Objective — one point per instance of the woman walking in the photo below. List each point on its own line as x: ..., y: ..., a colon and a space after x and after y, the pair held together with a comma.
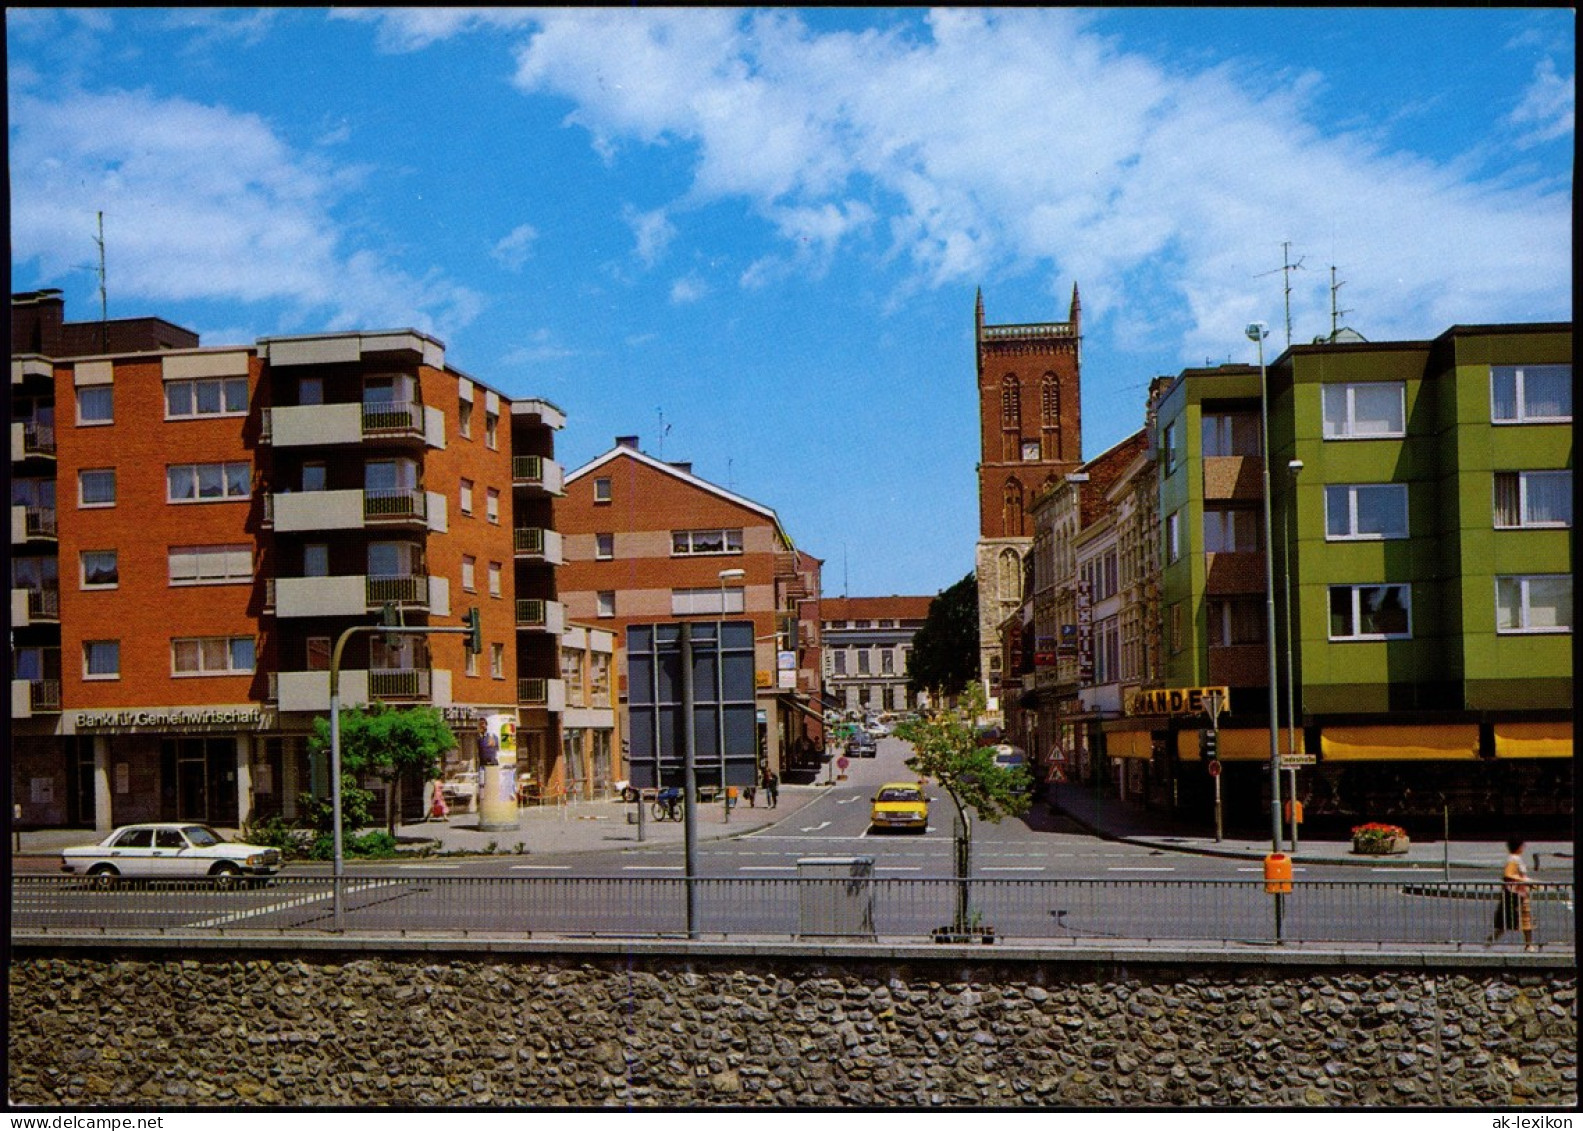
x: 1515, y: 912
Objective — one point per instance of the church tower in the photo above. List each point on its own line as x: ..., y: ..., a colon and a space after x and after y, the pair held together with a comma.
x: 1030, y: 436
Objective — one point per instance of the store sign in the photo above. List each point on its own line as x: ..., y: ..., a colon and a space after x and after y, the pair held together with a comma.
x: 1176, y: 700
x: 171, y: 717
x: 1085, y: 634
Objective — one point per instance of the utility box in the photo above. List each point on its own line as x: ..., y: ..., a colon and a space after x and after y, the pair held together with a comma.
x: 835, y: 897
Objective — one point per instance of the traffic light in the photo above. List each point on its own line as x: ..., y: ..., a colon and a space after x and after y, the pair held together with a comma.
x: 475, y: 632
x: 1208, y: 745
x: 390, y: 617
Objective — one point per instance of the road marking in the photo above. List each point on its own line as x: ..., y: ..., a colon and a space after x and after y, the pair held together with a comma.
x: 847, y: 800
x: 1115, y: 868
x: 652, y: 868
x: 1019, y: 868
x: 1261, y: 869
x: 1407, y: 869
x: 898, y: 868
x: 353, y: 888
x: 449, y: 867
x: 766, y: 867
x: 816, y: 828
x: 540, y: 867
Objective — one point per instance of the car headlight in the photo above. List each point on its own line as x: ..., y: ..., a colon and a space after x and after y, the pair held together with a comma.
x: 255, y: 861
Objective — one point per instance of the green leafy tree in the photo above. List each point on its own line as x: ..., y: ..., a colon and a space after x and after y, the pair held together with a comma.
x: 392, y: 745
x: 946, y: 751
x: 944, y: 652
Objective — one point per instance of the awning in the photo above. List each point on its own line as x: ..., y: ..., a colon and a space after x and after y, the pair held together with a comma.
x: 1533, y: 740
x: 1235, y: 745
x: 1129, y: 744
x: 1400, y: 744
x: 803, y: 707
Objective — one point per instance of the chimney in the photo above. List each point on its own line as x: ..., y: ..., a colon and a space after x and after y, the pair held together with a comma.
x: 682, y: 465
x: 627, y: 442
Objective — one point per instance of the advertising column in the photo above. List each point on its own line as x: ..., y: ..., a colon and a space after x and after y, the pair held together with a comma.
x: 497, y: 773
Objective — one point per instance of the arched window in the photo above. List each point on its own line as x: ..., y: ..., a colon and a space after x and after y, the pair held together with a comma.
x: 1012, y: 513
x: 1050, y: 400
x: 1010, y: 403
x: 1010, y: 577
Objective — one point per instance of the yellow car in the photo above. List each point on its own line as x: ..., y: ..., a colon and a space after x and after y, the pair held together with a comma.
x: 899, y: 805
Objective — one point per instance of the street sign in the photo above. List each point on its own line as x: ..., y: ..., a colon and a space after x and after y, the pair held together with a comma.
x: 842, y: 763
x: 1213, y: 766
x: 1298, y: 760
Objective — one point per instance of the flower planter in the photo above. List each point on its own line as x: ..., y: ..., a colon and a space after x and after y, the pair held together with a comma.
x: 1377, y: 846
x: 985, y: 935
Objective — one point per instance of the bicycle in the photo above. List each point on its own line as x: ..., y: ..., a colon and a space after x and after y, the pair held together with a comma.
x: 667, y: 805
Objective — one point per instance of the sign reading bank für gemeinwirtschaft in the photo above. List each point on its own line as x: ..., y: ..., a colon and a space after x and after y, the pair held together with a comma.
x: 170, y: 717
x: 1177, y: 700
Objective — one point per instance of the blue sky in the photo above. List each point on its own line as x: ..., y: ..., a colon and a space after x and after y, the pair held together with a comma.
x: 764, y: 228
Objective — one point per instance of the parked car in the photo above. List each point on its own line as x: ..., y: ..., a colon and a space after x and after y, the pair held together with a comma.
x: 878, y: 730
x: 899, y: 805
x: 861, y: 745
x: 174, y: 851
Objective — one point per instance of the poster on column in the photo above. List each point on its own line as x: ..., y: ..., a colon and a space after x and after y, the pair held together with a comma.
x: 497, y: 784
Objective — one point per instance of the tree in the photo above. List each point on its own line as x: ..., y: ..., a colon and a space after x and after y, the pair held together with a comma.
x: 944, y: 652
x: 389, y: 744
x: 946, y: 751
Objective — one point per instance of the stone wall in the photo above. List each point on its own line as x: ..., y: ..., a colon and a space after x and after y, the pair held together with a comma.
x: 653, y: 1026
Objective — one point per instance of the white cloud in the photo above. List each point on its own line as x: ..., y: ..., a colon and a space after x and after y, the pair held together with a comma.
x: 203, y: 202
x: 689, y: 288
x: 1548, y: 106
x: 541, y: 347
x: 513, y: 251
x: 654, y: 232
x: 410, y: 29
x: 1011, y: 140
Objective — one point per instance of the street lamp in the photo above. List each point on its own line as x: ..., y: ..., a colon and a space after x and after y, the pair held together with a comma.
x: 1294, y: 467
x: 720, y: 643
x: 1257, y: 332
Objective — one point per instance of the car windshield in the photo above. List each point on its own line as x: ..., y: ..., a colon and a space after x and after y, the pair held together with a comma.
x: 201, y: 836
x: 898, y: 794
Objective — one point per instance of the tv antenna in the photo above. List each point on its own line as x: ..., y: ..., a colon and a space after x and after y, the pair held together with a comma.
x: 664, y: 428
x: 1286, y: 268
x: 1335, y: 311
x: 104, y: 301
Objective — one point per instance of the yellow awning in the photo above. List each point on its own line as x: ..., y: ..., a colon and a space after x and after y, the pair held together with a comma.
x: 1400, y: 744
x: 1236, y: 745
x: 1533, y: 740
x: 1129, y: 744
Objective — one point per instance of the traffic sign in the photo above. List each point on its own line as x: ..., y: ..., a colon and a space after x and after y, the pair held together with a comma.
x: 842, y: 763
x: 1298, y: 760
x: 1213, y: 766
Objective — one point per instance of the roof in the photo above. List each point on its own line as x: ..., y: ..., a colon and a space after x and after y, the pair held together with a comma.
x: 865, y: 608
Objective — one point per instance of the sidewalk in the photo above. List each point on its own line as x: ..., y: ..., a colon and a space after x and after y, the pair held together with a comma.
x: 1118, y: 820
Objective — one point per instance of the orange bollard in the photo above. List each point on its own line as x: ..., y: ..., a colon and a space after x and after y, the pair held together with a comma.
x: 1277, y: 873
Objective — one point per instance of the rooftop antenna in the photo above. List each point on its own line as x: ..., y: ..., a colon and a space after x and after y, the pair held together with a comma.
x: 664, y: 428
x: 1335, y: 311
x: 104, y: 302
x: 843, y: 570
x: 731, y: 483
x: 1286, y: 269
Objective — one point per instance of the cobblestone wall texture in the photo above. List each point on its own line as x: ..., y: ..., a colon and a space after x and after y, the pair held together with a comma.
x: 258, y: 1028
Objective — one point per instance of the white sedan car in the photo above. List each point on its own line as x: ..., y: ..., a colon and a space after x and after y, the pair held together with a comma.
x: 174, y: 851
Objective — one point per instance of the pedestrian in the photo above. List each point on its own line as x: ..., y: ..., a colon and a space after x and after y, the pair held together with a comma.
x: 1515, y: 910
x: 772, y: 788
x: 751, y: 792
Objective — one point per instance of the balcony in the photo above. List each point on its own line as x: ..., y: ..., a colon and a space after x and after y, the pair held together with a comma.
x: 310, y: 691
x: 533, y: 543
x: 32, y: 524
x: 1239, y: 478
x: 31, y: 697
x: 541, y: 616
x: 548, y: 694
x: 35, y: 606
x: 352, y: 510
x: 307, y: 426
x: 30, y: 440
x: 356, y: 595
x: 536, y: 471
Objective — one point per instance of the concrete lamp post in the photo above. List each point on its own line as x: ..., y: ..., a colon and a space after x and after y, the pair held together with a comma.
x: 720, y: 630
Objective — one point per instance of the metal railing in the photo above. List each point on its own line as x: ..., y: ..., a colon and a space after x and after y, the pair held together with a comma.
x: 527, y: 469
x: 528, y: 540
x: 266, y: 425
x: 44, y: 695
x: 533, y: 692
x: 532, y: 612
x: 394, y: 504
x: 43, y: 604
x: 1452, y: 914
x: 410, y: 590
x: 38, y: 439
x: 399, y: 683
x: 40, y: 522
x: 398, y: 418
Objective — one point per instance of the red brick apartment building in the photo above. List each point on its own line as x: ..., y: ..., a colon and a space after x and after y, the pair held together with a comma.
x: 193, y: 528
x: 648, y: 541
x: 867, y: 642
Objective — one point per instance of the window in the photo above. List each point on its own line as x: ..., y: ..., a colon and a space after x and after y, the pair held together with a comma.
x: 211, y: 565
x: 684, y: 542
x: 310, y: 390
x: 314, y: 476
x: 887, y: 661
x: 491, y: 430
x: 316, y: 560
x: 497, y: 661
x: 839, y: 659
x: 1366, y: 510
x: 1232, y: 531
x: 464, y: 419
x: 601, y: 490
x: 1231, y: 434
x: 1173, y: 537
x: 1365, y: 411
x: 1370, y: 612
x: 390, y: 476
x: 887, y: 624
x: 714, y: 601
x: 1169, y: 444
x: 468, y: 564
x: 604, y: 546
x: 494, y: 579
x: 470, y: 666
x: 211, y: 396
x: 101, y: 659
x: 1530, y: 394
x: 862, y: 661
x: 1237, y: 620
x: 211, y: 655
x: 207, y: 482
x: 318, y: 653
x: 492, y: 505
x: 99, y: 569
x: 1030, y: 449
x: 605, y: 602
x: 467, y: 496
x: 96, y: 405
x: 38, y: 493
x: 1538, y: 603
x: 96, y: 487
x: 1533, y: 498
x: 394, y: 559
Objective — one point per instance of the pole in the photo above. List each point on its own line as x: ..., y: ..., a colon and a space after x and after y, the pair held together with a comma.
x: 689, y: 780
x: 1291, y: 683
x: 1257, y: 331
x: 1213, y: 705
